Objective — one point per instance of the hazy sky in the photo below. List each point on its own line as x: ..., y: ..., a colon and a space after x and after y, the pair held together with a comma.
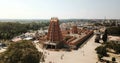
x: 45, y: 9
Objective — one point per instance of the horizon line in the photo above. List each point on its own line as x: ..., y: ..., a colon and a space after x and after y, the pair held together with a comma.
x: 50, y: 18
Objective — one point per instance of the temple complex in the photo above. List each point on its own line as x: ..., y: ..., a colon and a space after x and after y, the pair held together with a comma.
x: 67, y: 37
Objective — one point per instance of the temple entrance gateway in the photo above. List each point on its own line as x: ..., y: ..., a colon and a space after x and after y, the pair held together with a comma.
x: 54, y: 33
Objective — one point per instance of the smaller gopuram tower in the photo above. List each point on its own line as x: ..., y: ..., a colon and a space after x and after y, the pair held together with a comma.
x: 74, y: 29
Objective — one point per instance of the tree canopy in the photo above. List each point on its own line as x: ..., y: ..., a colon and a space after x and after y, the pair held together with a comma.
x: 105, y: 36
x: 114, y: 31
x: 21, y: 52
x: 101, y: 50
x: 9, y: 30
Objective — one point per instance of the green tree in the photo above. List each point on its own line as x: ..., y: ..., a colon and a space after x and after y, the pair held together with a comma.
x: 21, y: 52
x: 101, y: 50
x: 99, y: 56
x: 104, y: 37
x: 114, y: 45
x: 114, y: 31
x: 113, y: 59
x: 97, y: 39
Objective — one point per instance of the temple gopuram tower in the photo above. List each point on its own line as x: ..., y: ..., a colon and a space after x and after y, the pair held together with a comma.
x: 74, y: 29
x: 54, y: 32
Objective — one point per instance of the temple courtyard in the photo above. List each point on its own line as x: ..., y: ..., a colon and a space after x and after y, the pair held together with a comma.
x: 85, y: 54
